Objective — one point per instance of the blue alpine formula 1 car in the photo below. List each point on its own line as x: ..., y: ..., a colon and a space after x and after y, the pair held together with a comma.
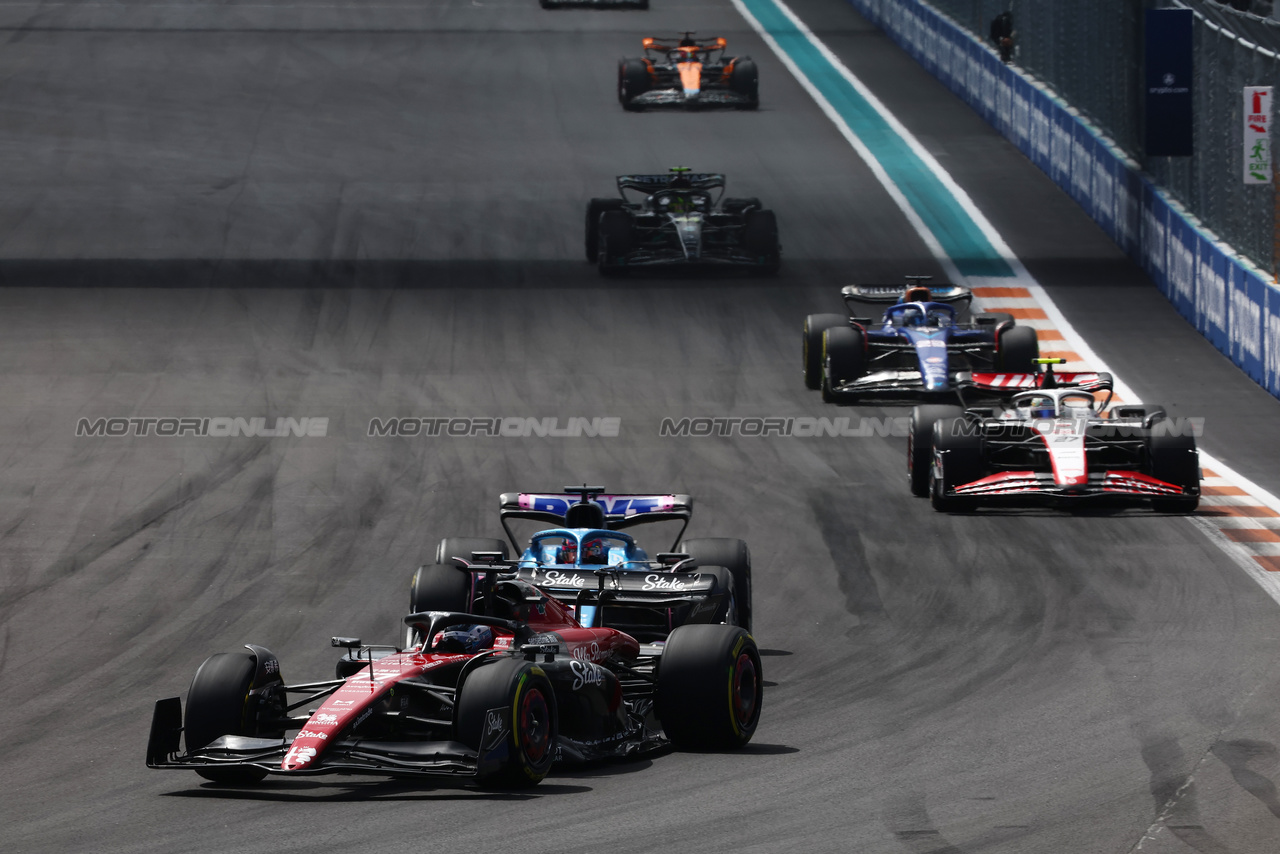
x: 601, y: 573
x: 923, y: 340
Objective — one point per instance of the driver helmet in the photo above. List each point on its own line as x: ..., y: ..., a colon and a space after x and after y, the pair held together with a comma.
x: 464, y: 639
x: 912, y: 317
x: 568, y: 552
x: 594, y: 551
x: 680, y: 204
x: 1042, y: 407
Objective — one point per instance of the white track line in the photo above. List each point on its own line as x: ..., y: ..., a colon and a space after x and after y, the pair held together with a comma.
x: 1240, y: 553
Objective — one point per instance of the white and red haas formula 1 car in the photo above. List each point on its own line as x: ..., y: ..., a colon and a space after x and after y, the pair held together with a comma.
x: 1049, y: 441
x: 496, y: 696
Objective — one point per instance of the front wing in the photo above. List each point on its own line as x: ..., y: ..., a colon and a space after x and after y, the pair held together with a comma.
x: 348, y: 756
x: 1015, y: 487
x: 675, y: 258
x: 677, y: 98
x: 892, y: 386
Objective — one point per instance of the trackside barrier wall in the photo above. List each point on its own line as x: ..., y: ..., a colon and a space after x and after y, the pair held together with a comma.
x: 1229, y: 302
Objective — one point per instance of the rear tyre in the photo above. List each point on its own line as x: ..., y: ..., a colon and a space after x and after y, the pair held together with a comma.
x: 508, y: 710
x: 633, y: 80
x: 920, y: 443
x: 760, y: 239
x: 437, y: 587
x: 960, y: 445
x: 451, y: 547
x: 594, y: 208
x: 1174, y: 459
x: 218, y: 704
x: 1017, y: 348
x: 734, y: 556
x: 844, y: 358
x: 814, y: 326
x: 746, y: 82
x: 709, y: 688
x: 615, y: 242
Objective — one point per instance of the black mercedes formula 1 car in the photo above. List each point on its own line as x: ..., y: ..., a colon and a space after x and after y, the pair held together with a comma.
x: 690, y: 73
x: 680, y: 219
x: 497, y: 694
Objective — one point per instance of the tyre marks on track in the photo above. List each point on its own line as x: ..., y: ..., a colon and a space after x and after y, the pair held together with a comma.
x: 972, y: 252
x: 1243, y: 520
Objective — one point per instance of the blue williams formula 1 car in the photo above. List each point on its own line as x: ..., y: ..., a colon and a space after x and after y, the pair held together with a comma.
x: 680, y: 220
x: 922, y: 341
x: 599, y: 572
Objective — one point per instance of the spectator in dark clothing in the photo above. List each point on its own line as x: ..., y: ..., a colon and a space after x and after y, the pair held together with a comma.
x: 1002, y: 35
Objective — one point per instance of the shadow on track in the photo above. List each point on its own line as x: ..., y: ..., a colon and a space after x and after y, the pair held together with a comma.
x: 398, y: 274
x: 301, y: 792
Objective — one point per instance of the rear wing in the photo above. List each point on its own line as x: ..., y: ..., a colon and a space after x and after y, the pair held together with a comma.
x: 1007, y: 384
x: 893, y: 294
x: 702, y: 45
x: 620, y: 510
x: 688, y: 180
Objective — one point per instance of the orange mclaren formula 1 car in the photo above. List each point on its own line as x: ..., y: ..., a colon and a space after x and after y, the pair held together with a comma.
x: 690, y: 73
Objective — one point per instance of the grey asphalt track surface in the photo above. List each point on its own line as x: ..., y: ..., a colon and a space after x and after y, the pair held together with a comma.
x: 351, y: 211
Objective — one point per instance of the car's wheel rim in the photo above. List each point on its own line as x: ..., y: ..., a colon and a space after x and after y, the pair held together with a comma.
x: 535, y: 725
x: 745, y: 687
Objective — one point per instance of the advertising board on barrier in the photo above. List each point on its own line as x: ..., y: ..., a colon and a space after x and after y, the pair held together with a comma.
x: 1169, y: 50
x: 1228, y: 301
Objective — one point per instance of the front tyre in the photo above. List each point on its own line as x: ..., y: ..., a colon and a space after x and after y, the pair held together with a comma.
x: 219, y: 704
x: 615, y: 242
x: 506, y: 712
x: 958, y: 442
x: 633, y: 80
x: 814, y: 326
x: 1173, y: 458
x: 920, y: 443
x: 760, y: 239
x: 844, y: 358
x: 709, y: 688
x: 594, y: 208
x: 746, y: 82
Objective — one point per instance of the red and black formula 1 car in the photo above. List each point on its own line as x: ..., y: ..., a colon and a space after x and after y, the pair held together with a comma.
x: 1049, y: 441
x: 496, y: 696
x: 688, y: 73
